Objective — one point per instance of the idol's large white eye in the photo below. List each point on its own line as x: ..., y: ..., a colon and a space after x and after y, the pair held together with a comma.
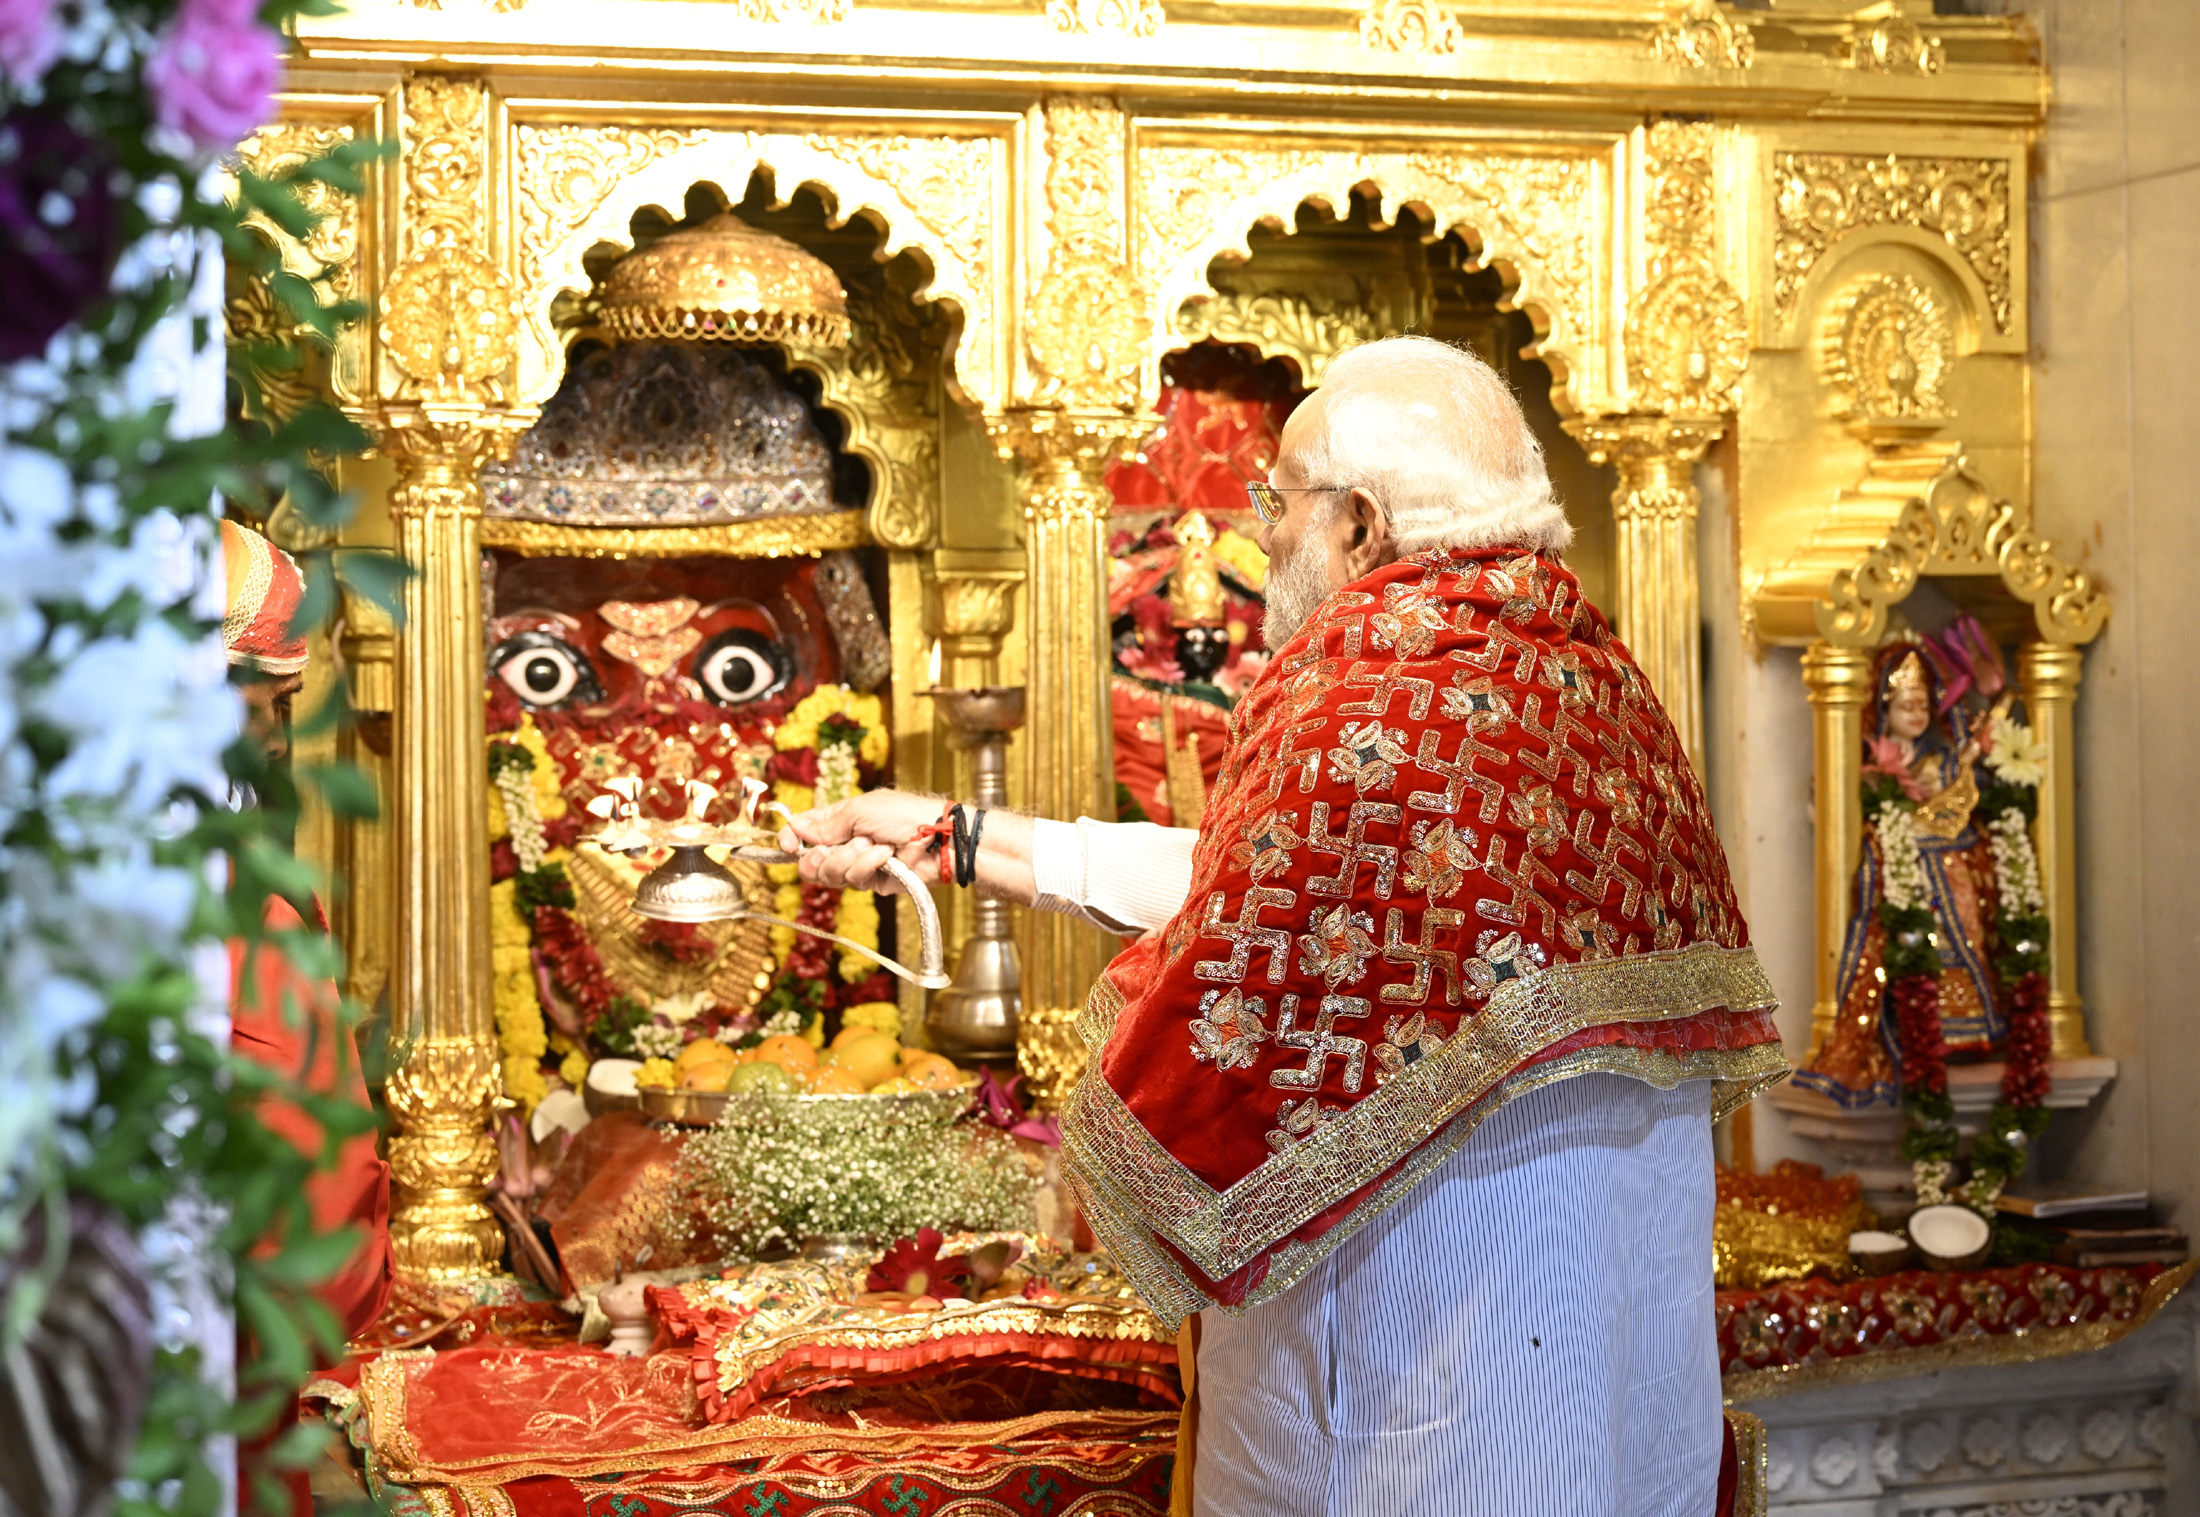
x: 544, y: 670
x: 740, y: 666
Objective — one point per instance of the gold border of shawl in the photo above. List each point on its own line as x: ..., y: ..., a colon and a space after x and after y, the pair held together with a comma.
x: 764, y: 537
x: 1961, y: 1353
x: 1223, y: 1231
x: 1752, y: 1463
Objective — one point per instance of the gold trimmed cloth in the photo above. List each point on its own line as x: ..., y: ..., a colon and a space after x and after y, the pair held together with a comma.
x: 1455, y: 852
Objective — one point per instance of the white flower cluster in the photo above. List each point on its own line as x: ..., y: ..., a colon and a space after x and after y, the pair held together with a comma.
x: 655, y: 1040
x: 1902, y: 868
x: 836, y: 773
x: 775, y: 1171
x: 112, y: 725
x: 522, y: 822
x: 2016, y: 866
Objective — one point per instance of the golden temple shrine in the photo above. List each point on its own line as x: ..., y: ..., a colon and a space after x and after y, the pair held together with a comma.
x: 821, y: 396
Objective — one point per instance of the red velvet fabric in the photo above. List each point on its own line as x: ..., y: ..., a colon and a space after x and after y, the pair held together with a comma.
x: 1452, y: 779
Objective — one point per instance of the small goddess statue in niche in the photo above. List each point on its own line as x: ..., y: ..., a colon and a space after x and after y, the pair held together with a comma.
x: 1921, y: 747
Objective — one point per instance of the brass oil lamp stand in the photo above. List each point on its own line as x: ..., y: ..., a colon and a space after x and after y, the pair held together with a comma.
x: 975, y: 1018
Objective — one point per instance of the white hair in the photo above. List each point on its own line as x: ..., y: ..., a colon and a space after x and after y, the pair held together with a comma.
x: 1438, y: 439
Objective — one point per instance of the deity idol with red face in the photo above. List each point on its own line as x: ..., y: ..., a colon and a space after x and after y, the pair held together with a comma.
x: 667, y: 670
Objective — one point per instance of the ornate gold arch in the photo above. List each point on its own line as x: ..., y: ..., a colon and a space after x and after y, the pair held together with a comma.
x: 579, y: 186
x: 1956, y: 527
x: 1543, y: 216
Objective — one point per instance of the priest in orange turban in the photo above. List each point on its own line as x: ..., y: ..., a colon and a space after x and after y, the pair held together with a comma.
x: 279, y: 1017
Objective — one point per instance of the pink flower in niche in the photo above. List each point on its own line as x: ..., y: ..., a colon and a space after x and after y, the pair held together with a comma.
x: 214, y: 76
x: 29, y: 40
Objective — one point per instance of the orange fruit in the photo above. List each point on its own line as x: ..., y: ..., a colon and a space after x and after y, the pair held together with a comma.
x: 703, y: 1052
x: 706, y: 1076
x: 932, y: 1073
x: 849, y: 1034
x: 788, y: 1052
x: 870, y: 1058
x: 895, y: 1087
x: 836, y: 1082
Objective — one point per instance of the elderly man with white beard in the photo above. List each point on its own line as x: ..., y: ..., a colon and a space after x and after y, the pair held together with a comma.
x: 1406, y: 1090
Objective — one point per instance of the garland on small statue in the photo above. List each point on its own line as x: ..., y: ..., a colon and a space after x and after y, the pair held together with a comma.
x: 822, y: 752
x: 1912, y: 965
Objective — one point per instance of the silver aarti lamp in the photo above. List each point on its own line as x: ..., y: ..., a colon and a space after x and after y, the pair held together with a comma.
x: 690, y: 886
x: 976, y: 1016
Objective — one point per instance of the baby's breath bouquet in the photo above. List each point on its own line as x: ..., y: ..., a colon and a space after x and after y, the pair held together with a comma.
x: 776, y: 1170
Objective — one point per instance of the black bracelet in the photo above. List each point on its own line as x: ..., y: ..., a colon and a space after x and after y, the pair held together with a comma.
x: 958, y: 841
x: 966, y: 860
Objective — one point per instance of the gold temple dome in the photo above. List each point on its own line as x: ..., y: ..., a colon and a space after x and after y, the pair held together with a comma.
x: 725, y: 281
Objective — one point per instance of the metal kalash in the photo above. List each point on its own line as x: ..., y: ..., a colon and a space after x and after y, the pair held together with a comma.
x: 691, y: 886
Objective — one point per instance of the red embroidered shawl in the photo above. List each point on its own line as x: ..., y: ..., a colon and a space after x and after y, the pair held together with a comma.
x: 1455, y: 852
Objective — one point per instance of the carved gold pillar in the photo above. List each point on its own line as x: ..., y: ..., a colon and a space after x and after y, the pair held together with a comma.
x: 1838, y: 681
x: 1655, y: 606
x: 370, y: 923
x: 445, y: 1096
x: 2048, y: 674
x: 447, y: 338
x: 1069, y: 754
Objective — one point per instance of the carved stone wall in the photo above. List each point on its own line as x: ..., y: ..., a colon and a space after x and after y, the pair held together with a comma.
x: 2105, y: 1434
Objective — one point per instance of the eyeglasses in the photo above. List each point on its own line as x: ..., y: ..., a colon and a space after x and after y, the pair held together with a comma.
x: 1268, y: 501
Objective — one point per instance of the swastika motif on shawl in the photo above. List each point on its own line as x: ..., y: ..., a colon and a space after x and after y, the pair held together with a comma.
x: 1455, y: 850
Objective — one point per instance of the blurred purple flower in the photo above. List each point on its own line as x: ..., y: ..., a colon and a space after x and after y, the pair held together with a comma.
x: 998, y: 1105
x: 29, y: 40
x: 214, y: 76
x: 58, y: 234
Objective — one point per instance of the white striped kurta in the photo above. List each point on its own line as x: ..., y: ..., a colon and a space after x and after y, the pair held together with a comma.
x: 1528, y: 1332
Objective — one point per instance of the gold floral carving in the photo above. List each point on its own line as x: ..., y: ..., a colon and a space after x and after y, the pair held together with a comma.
x: 1131, y: 18
x: 1280, y: 326
x: 1409, y: 26
x: 1956, y: 527
x: 1887, y: 347
x: 1087, y: 321
x: 331, y: 248
x: 1538, y: 213
x: 1687, y: 332
x: 328, y: 255
x: 1701, y: 34
x: 566, y: 173
x: 766, y: 537
x: 812, y: 12
x: 450, y: 317
x: 880, y: 385
x: 1822, y: 196
x: 444, y: 1097
x: 579, y: 187
x: 1893, y: 44
x: 252, y: 318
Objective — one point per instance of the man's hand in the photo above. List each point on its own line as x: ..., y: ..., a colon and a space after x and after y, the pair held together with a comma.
x: 848, y: 843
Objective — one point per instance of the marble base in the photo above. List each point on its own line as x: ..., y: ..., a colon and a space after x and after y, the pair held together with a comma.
x: 2103, y: 1434
x: 1866, y: 1140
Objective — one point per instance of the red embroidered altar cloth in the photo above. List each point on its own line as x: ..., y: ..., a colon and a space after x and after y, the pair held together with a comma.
x: 1456, y: 851
x: 1807, y: 1332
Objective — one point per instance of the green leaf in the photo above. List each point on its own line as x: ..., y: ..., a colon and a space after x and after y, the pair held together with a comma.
x: 318, y: 603
x: 376, y: 575
x: 346, y: 788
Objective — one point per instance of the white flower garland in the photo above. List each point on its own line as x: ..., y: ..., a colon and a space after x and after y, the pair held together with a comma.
x: 836, y: 773
x: 2016, y: 865
x: 1902, y: 867
x: 522, y: 821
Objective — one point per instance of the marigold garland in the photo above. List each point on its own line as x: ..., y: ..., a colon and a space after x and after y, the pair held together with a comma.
x: 829, y: 747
